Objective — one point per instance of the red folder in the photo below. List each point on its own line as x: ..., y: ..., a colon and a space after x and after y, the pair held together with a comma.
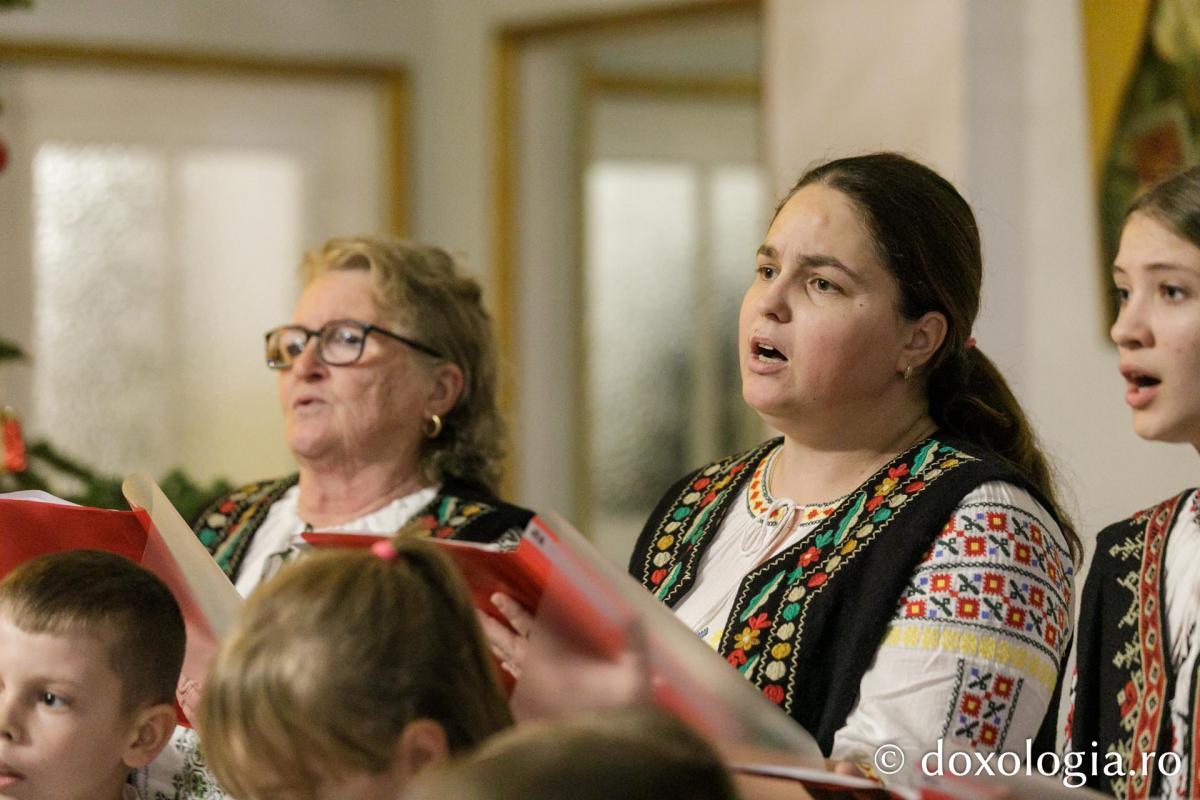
x: 153, y: 535
x: 29, y: 528
x: 520, y: 573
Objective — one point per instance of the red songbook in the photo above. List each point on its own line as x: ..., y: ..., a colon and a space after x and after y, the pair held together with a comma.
x: 519, y: 572
x: 30, y: 528
x: 153, y: 535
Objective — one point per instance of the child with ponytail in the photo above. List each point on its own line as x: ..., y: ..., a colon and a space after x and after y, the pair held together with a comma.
x: 347, y: 674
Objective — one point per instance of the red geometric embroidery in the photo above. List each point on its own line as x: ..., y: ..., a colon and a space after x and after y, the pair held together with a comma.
x: 981, y: 707
x: 987, y: 569
x: 1148, y: 705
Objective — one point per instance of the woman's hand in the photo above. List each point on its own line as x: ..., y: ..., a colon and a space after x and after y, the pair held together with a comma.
x: 509, y: 643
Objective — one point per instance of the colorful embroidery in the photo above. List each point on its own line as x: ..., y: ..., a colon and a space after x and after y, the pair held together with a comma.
x: 449, y: 516
x: 226, y: 527
x: 804, y: 569
x: 1148, y: 712
x: 670, y: 563
x: 759, y: 497
x: 981, y: 707
x: 1139, y: 654
x: 992, y: 568
x: 971, y: 644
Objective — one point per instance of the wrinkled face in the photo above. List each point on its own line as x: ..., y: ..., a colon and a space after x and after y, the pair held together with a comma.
x: 1157, y: 332
x: 63, y: 734
x: 370, y: 411
x: 819, y: 335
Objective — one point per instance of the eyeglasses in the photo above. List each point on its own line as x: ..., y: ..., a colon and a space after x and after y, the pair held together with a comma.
x: 339, y: 343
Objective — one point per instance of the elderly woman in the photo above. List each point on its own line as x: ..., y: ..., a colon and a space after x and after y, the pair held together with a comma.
x: 387, y: 381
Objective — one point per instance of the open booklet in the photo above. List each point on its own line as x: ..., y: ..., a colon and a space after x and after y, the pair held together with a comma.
x: 152, y: 534
x: 598, y: 638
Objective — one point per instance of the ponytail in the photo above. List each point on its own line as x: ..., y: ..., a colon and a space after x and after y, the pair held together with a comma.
x: 925, y: 233
x: 969, y: 398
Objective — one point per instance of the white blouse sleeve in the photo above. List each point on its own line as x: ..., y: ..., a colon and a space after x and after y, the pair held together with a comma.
x: 973, y: 650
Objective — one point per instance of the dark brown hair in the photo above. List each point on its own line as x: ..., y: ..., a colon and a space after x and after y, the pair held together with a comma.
x: 926, y: 236
x: 333, y: 658
x: 109, y: 597
x: 633, y: 754
x: 1175, y: 202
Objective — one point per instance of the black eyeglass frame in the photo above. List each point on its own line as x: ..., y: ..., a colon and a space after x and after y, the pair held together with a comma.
x: 367, y: 330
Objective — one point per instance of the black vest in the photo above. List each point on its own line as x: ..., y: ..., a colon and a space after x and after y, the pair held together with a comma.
x: 806, y: 625
x: 1123, y: 676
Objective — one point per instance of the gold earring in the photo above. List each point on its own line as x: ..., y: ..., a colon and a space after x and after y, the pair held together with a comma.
x: 433, y: 427
x: 908, y: 373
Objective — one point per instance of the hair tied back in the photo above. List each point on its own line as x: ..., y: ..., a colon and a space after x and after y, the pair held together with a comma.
x: 385, y: 550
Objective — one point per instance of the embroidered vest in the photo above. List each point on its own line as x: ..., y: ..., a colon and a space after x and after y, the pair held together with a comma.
x: 806, y: 624
x: 1123, y: 678
x: 459, y: 511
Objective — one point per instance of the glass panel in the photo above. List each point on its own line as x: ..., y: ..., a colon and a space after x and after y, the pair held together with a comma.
x: 100, y: 322
x: 240, y: 216
x: 641, y: 234
x: 153, y: 285
x: 738, y: 221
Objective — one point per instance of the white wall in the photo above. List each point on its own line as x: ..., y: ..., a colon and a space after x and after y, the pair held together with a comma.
x: 992, y: 95
x: 447, y: 45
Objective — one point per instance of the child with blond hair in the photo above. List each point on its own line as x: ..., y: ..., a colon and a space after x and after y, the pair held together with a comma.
x: 348, y: 673
x: 91, y: 646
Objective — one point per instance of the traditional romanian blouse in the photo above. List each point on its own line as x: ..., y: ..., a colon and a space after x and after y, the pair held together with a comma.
x: 1135, y: 690
x: 1182, y: 578
x: 973, y: 652
x: 278, y: 540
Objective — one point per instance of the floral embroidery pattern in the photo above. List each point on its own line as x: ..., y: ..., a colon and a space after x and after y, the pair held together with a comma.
x: 805, y: 568
x: 671, y: 559
x: 449, y: 517
x: 224, y: 527
x: 981, y: 707
x: 995, y: 568
x: 179, y: 772
x: 759, y: 498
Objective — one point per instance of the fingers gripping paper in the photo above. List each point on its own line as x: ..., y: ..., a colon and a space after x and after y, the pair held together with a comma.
x: 599, y: 638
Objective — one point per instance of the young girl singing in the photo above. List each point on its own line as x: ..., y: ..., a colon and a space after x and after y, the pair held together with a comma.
x: 1135, y: 695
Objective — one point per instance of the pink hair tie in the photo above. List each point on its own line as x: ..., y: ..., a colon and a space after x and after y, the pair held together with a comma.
x: 970, y: 342
x: 385, y: 550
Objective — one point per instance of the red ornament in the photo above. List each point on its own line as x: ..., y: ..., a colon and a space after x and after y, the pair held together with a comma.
x: 14, y: 444
x: 3, y: 155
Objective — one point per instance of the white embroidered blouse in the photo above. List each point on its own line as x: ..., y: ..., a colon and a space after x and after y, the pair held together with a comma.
x: 973, y: 651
